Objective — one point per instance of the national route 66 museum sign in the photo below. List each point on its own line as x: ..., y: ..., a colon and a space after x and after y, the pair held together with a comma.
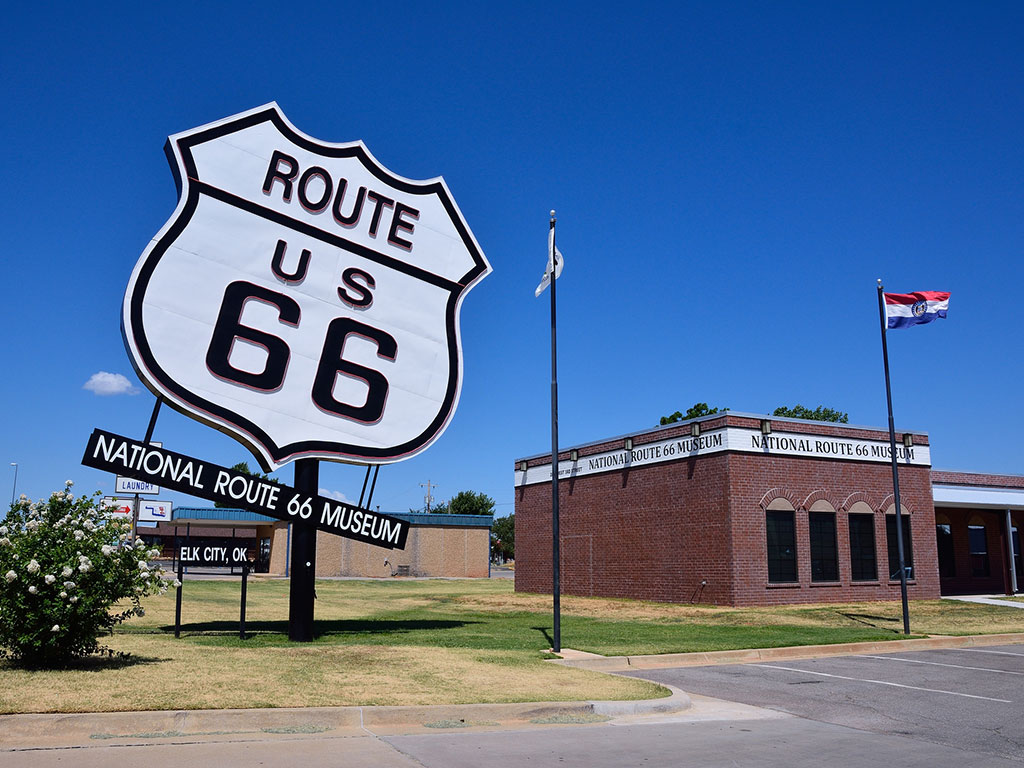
x: 303, y: 298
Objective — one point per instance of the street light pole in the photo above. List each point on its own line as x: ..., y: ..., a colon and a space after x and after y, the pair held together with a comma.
x: 14, y: 488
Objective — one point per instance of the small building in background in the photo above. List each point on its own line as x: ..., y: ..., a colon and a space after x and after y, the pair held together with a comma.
x: 438, y: 545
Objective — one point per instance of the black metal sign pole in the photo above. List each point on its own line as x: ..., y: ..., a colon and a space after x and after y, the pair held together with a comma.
x: 181, y: 580
x: 303, y: 557
x: 373, y: 484
x: 241, y: 615
x: 556, y: 586
x: 177, y: 598
x: 146, y: 439
x: 895, y: 467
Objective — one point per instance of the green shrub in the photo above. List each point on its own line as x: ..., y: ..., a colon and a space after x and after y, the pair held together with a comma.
x: 64, y: 563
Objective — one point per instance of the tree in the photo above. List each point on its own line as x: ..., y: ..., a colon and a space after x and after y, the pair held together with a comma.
x: 243, y: 467
x: 441, y: 508
x: 470, y: 503
x: 503, y: 537
x: 821, y: 413
x: 694, y: 411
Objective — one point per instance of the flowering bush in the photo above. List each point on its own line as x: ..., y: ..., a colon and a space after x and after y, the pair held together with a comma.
x: 63, y: 564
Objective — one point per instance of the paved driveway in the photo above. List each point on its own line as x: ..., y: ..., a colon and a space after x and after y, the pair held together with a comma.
x: 971, y: 698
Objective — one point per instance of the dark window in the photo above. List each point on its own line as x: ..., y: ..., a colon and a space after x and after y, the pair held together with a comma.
x: 944, y: 541
x: 781, y: 530
x: 979, y: 550
x: 908, y: 550
x: 862, y: 548
x: 824, y: 565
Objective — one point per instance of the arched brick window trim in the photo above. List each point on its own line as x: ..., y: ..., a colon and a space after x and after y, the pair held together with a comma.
x: 853, y: 498
x: 819, y: 495
x: 890, y: 501
x: 779, y: 493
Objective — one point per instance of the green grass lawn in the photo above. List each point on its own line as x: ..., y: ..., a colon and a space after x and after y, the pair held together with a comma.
x: 472, y: 614
x: 489, y: 615
x: 430, y: 642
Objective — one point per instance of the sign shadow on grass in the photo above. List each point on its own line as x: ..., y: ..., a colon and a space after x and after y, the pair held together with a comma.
x: 873, y: 621
x: 325, y: 627
x: 99, y: 662
x: 547, y: 637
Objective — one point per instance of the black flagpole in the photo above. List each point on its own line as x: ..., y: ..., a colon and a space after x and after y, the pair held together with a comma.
x: 555, y: 555
x: 895, y: 467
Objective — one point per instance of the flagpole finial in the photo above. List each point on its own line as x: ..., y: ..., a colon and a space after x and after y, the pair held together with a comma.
x: 552, y: 213
x: 879, y: 281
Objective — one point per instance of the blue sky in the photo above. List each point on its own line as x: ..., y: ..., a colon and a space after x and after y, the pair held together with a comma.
x: 730, y: 180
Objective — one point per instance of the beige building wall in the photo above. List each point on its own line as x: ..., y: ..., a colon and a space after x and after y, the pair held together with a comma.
x: 435, y: 550
x: 278, y: 549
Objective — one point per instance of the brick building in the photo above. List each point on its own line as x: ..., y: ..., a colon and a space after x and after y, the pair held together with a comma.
x: 743, y: 509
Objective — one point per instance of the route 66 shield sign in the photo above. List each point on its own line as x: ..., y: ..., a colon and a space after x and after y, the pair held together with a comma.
x: 303, y: 298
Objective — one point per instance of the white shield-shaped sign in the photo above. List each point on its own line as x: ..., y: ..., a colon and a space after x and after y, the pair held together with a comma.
x: 303, y: 298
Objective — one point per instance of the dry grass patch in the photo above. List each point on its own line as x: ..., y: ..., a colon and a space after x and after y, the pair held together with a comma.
x: 432, y: 642
x: 181, y: 675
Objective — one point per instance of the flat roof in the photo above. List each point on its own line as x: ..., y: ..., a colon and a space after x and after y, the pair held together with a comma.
x: 977, y: 497
x: 226, y: 516
x: 720, y: 414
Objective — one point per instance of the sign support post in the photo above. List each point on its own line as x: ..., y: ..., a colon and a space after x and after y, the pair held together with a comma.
x: 146, y: 440
x: 241, y: 615
x: 177, y: 599
x: 302, y: 582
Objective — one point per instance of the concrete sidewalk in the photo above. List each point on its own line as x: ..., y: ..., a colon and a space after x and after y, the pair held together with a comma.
x: 113, y: 728
x: 622, y: 663
x: 999, y: 600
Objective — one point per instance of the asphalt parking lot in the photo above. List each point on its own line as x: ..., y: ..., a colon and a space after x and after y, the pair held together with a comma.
x: 923, y: 709
x: 971, y: 698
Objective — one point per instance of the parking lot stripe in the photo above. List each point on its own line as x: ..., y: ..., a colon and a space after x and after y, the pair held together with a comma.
x: 999, y: 653
x: 940, y: 664
x: 882, y: 682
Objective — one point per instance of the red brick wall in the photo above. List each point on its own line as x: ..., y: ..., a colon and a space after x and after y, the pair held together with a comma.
x: 657, y: 532
x: 756, y: 480
x: 644, y: 532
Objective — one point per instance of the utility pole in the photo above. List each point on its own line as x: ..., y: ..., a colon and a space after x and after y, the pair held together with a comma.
x: 429, y: 497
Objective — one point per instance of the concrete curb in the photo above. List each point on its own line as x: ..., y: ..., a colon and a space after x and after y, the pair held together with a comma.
x: 747, y: 656
x: 110, y: 728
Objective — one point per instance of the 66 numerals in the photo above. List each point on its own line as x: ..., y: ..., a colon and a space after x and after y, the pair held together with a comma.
x: 229, y: 328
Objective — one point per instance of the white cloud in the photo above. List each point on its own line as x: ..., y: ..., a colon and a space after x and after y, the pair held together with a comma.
x: 336, y: 495
x: 104, y: 383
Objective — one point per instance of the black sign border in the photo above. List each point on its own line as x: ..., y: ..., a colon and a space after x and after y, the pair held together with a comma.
x: 245, y: 431
x: 286, y: 492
